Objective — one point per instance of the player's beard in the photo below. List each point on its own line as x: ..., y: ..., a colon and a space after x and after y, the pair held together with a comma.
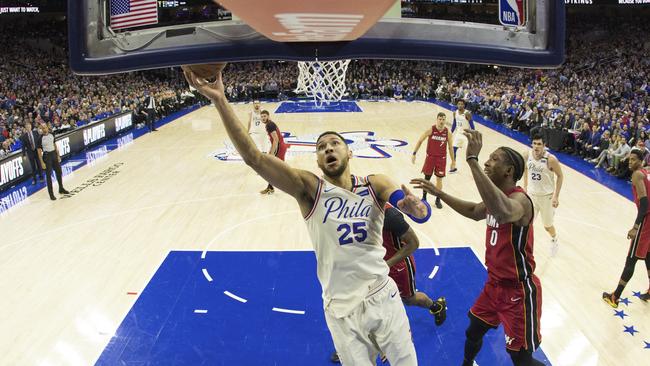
x: 336, y: 173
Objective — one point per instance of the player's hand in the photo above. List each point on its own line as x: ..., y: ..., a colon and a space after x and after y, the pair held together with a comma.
x: 43, y: 165
x: 212, y: 90
x: 632, y: 233
x: 555, y: 202
x: 413, y: 159
x: 474, y: 141
x: 426, y: 186
x: 411, y: 204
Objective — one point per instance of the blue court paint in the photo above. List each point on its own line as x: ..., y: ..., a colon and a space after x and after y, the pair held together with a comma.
x: 162, y: 328
x: 19, y: 193
x: 311, y: 107
x: 619, y: 186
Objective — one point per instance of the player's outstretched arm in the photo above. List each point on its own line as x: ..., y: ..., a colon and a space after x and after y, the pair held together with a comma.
x: 299, y: 183
x: 402, y: 198
x: 472, y: 210
x: 504, y: 209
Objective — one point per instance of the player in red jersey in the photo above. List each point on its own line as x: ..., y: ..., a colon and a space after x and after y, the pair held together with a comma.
x: 640, y: 232
x: 278, y: 147
x: 439, y: 141
x: 512, y: 294
x: 401, y: 242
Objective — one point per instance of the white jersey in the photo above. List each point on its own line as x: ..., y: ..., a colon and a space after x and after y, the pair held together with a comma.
x: 461, y: 122
x: 541, y: 179
x: 346, y: 231
x: 256, y: 124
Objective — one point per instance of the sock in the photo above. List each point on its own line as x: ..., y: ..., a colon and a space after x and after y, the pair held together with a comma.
x: 424, y: 194
x: 619, y: 291
x: 471, y: 350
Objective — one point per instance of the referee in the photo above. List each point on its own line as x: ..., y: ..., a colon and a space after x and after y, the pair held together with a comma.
x: 49, y: 157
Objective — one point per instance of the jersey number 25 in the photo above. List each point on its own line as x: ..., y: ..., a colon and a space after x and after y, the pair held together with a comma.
x: 358, y: 231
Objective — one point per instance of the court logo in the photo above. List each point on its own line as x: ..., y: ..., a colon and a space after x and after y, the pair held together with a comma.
x: 364, y: 144
x: 13, y: 199
x: 97, y: 180
x: 512, y: 13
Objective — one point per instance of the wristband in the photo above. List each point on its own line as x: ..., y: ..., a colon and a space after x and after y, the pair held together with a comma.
x: 425, y: 218
x: 470, y: 157
x: 397, y: 195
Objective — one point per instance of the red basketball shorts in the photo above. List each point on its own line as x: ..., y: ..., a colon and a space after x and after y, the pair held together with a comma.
x: 640, y: 245
x: 435, y: 165
x: 403, y: 273
x: 516, y: 305
x: 281, y: 152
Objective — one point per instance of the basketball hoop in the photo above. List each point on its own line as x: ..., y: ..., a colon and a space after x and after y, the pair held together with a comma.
x: 324, y: 81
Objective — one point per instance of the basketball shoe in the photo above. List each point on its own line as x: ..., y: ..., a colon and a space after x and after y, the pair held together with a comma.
x: 439, y: 310
x: 610, y: 300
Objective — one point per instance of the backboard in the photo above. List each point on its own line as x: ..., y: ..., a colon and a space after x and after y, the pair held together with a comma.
x: 525, y: 33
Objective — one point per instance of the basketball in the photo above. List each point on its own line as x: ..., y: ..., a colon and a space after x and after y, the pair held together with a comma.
x: 205, y: 71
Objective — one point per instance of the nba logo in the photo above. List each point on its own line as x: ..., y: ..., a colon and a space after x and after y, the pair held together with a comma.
x: 512, y: 13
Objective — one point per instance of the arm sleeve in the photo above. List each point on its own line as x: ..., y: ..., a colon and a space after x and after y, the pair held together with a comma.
x: 643, y: 209
x: 394, y: 222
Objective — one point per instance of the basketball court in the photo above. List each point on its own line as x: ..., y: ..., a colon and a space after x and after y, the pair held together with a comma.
x: 172, y: 256
x: 165, y: 253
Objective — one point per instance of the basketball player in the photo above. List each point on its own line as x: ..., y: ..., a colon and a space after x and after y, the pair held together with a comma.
x: 439, y: 140
x: 278, y: 147
x: 344, y: 216
x: 512, y: 294
x: 256, y: 128
x: 462, y: 120
x: 541, y: 185
x: 640, y: 232
x: 400, y: 242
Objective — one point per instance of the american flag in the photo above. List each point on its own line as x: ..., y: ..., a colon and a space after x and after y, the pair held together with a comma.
x: 133, y: 13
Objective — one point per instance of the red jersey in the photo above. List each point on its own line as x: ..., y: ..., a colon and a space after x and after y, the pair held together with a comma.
x: 509, y: 248
x: 272, y: 127
x: 646, y: 182
x: 437, y: 142
x: 394, y: 227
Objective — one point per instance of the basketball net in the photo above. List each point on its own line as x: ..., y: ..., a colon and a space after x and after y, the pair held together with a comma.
x: 324, y: 81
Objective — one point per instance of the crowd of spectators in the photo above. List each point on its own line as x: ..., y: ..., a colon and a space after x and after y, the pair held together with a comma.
x: 595, y: 105
x: 37, y: 86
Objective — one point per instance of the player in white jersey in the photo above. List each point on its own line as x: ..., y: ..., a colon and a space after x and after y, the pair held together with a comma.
x: 542, y: 187
x: 256, y: 128
x: 344, y: 215
x: 462, y: 120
